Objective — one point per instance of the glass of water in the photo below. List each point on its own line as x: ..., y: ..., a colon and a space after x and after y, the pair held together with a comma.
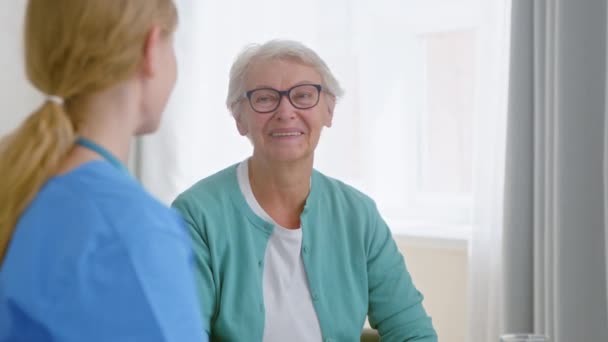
x: 524, y: 338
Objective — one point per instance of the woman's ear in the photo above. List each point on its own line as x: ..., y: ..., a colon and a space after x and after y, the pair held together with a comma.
x: 151, y: 52
x: 331, y: 104
x: 241, y: 126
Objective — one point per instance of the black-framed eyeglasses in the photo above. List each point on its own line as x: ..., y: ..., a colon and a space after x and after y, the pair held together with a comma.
x: 301, y: 96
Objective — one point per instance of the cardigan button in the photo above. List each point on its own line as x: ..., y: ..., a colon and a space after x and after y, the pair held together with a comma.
x: 260, y: 264
x: 305, y: 249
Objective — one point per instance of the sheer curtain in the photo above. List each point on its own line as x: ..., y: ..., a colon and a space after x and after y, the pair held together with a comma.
x: 485, y: 257
x: 420, y: 78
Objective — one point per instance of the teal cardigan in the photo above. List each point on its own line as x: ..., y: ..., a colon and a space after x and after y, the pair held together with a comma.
x: 352, y: 263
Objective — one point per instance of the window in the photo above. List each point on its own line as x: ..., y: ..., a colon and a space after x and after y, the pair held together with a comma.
x: 413, y: 96
x: 416, y: 74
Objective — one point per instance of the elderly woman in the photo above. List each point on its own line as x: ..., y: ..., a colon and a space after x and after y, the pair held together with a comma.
x: 285, y: 253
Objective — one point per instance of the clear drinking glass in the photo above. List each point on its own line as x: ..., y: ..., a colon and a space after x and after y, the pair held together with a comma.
x: 523, y: 338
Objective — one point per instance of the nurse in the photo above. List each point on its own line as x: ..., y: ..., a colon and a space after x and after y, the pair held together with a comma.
x: 86, y: 254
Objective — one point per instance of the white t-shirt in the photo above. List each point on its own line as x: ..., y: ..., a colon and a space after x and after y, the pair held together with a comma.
x: 290, y: 314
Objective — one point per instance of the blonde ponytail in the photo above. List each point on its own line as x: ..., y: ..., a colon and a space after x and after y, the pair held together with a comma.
x: 28, y: 157
x: 73, y: 49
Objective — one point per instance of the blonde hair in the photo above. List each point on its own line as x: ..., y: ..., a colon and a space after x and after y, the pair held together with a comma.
x: 73, y: 48
x: 277, y: 49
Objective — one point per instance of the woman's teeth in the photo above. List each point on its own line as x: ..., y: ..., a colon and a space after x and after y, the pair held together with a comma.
x: 290, y: 134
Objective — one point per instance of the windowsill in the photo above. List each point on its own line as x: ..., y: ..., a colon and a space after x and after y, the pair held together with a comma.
x: 431, y: 235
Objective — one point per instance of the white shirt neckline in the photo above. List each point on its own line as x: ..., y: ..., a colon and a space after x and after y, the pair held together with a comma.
x: 289, y: 309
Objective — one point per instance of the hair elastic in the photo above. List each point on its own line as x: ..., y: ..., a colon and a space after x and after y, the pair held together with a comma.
x: 55, y: 99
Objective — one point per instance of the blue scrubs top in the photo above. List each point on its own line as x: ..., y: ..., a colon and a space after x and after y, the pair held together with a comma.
x: 96, y: 258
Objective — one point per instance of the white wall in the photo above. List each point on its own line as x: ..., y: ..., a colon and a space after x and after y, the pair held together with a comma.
x: 17, y: 97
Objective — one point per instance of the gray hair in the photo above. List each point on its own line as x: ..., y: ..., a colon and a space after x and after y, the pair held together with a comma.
x: 276, y: 50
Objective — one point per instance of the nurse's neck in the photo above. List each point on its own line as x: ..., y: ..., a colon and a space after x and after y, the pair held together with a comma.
x: 109, y: 119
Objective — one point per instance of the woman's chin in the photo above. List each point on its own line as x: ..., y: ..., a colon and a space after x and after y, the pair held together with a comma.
x: 289, y: 155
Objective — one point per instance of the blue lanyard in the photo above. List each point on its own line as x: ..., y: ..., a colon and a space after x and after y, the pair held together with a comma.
x: 86, y: 143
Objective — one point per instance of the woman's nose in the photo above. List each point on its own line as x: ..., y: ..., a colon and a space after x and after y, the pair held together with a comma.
x: 285, y: 110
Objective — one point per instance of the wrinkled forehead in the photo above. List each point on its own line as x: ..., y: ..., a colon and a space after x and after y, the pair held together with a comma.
x: 280, y: 73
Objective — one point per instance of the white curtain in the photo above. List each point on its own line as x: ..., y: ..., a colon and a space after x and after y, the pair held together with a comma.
x: 485, y: 276
x: 551, y: 273
x: 378, y: 50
